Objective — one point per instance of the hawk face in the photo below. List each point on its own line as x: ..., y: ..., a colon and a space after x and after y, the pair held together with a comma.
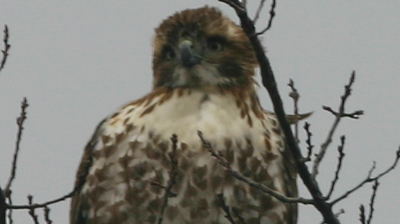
x: 200, y: 48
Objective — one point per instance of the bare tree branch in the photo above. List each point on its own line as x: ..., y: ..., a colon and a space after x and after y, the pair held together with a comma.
x: 259, y: 9
x: 341, y: 211
x: 310, y: 146
x: 250, y: 182
x: 337, y: 214
x: 42, y: 205
x: 20, y: 123
x: 294, y: 94
x: 369, y: 179
x: 7, y: 190
x: 244, y: 3
x: 271, y: 18
x: 225, y: 208
x: 355, y: 115
x: 236, y: 4
x: 362, y: 215
x: 6, y: 47
x: 339, y: 166
x: 268, y: 80
x: 372, y: 201
x: 10, y: 219
x: 338, y: 116
x: 241, y: 219
x: 363, y: 218
x: 172, y: 177
x: 46, y: 211
x: 32, y: 210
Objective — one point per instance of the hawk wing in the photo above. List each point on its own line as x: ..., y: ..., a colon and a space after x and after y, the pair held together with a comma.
x: 79, y: 204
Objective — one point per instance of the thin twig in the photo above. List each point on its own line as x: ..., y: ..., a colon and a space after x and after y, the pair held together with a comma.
x: 42, y: 205
x: 214, y: 153
x: 241, y: 219
x: 237, y: 5
x: 355, y: 115
x: 372, y: 201
x: 6, y: 47
x: 339, y: 166
x: 225, y: 208
x: 172, y: 177
x: 244, y: 3
x: 362, y: 214
x: 20, y: 123
x: 337, y: 214
x: 32, y: 210
x: 363, y: 218
x: 259, y: 9
x: 250, y: 182
x: 340, y: 212
x: 294, y: 94
x: 271, y: 18
x: 171, y: 194
x: 46, y: 211
x: 369, y: 179
x: 310, y: 146
x: 338, y: 116
x: 10, y: 212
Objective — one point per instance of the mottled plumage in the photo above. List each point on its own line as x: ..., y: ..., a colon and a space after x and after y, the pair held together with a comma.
x: 203, y: 69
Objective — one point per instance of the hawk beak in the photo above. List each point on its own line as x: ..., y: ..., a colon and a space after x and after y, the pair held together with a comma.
x: 188, y: 55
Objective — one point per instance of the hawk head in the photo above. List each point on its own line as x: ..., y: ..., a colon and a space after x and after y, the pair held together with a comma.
x: 201, y: 48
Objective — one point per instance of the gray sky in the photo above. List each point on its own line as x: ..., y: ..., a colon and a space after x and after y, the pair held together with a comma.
x: 77, y: 62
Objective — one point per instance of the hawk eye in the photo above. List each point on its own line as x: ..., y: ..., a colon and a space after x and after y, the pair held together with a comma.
x: 168, y: 53
x: 215, y: 43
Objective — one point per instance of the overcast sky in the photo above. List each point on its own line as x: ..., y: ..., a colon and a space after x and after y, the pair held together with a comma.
x: 77, y: 62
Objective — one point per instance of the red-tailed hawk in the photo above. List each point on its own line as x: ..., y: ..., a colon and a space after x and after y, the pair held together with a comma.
x: 203, y: 67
